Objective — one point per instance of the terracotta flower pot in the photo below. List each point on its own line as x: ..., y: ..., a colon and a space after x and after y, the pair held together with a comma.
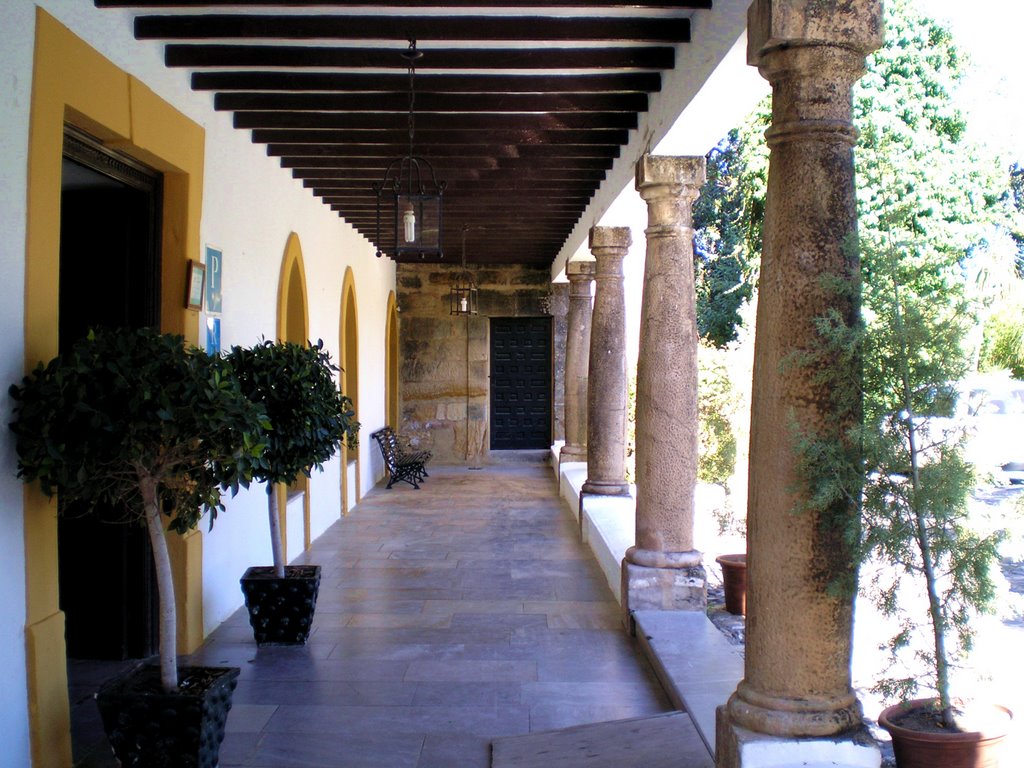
x: 734, y: 579
x: 926, y: 749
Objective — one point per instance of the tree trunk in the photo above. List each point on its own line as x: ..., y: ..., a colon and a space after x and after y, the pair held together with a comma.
x: 275, y: 531
x: 164, y: 582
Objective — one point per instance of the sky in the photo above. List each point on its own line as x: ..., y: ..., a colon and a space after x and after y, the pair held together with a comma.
x: 992, y: 94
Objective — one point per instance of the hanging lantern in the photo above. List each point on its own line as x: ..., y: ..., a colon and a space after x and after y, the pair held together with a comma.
x: 411, y: 187
x: 462, y: 298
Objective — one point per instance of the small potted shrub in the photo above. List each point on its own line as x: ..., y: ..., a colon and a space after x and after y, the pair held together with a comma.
x: 308, y: 418
x: 904, y: 464
x: 132, y: 418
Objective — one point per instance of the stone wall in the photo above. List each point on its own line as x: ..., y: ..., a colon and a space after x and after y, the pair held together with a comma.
x: 444, y: 359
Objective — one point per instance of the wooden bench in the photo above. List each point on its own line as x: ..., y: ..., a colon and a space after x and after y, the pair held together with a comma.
x: 409, y: 467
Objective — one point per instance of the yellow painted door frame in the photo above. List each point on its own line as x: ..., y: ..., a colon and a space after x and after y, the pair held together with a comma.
x: 72, y: 83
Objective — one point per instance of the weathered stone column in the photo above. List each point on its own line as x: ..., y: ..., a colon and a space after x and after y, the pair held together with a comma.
x: 607, y: 379
x: 577, y: 353
x: 663, y: 571
x: 796, y: 697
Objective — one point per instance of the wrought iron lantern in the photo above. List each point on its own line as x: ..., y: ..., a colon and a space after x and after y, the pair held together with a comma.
x: 462, y: 298
x: 411, y: 189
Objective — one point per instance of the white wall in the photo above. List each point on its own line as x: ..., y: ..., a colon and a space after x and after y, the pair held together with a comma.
x: 17, y: 20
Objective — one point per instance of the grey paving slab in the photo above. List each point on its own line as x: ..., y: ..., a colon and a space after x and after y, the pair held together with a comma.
x: 665, y: 741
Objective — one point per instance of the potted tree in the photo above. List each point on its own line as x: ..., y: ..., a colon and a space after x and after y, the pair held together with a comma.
x: 308, y: 418
x: 132, y: 418
x: 904, y: 464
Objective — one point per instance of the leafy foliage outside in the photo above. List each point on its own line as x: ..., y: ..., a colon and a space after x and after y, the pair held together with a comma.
x: 716, y: 410
x: 727, y: 221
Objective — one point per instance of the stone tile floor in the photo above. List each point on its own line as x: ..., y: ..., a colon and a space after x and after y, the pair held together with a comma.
x: 447, y: 617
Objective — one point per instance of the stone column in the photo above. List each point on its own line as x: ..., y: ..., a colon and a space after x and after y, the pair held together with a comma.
x: 606, y: 391
x: 558, y: 308
x: 796, y: 697
x: 663, y: 571
x: 577, y: 352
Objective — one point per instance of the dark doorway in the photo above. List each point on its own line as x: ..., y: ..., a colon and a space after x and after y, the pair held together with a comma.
x: 109, y: 277
x: 520, y: 383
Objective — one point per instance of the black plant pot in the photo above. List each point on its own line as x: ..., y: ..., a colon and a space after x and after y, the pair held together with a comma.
x: 281, y: 610
x: 149, y: 728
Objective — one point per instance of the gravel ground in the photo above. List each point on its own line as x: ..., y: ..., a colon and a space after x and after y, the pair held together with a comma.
x: 993, y: 671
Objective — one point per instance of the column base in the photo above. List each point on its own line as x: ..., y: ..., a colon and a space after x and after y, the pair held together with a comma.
x: 663, y: 589
x: 604, y: 488
x: 572, y: 453
x: 738, y: 747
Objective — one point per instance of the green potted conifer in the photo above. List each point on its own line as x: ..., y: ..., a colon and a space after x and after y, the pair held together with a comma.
x: 308, y: 418
x: 134, y: 419
x: 904, y: 465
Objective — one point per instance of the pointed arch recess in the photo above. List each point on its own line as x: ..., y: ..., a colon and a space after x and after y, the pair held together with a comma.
x: 293, y: 326
x: 349, y: 363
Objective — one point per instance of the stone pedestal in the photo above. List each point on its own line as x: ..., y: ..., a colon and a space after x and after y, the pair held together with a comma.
x: 607, y: 384
x: 577, y: 352
x: 663, y: 589
x: 796, y: 684
x: 738, y: 746
x: 663, y: 570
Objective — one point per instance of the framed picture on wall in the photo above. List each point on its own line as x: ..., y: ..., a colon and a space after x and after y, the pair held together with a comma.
x: 195, y: 285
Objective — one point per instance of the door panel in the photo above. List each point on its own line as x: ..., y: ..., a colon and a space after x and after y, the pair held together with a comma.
x: 520, y: 383
x: 109, y: 277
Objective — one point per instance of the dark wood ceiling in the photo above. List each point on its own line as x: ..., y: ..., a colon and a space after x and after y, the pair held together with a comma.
x: 521, y: 107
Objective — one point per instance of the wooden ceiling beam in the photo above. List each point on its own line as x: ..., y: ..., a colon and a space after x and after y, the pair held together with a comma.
x: 398, y: 102
x: 456, y: 177
x: 426, y: 29
x: 547, y: 4
x: 533, y: 58
x: 433, y: 121
x: 540, y: 166
x: 427, y: 138
x: 508, y: 152
x: 358, y: 82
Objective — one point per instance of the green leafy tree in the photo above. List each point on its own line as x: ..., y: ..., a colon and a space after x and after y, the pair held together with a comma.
x: 716, y: 407
x: 727, y: 228
x: 133, y: 419
x: 308, y: 416
x: 912, y: 145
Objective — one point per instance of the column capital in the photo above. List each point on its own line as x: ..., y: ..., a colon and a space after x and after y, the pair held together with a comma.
x: 610, y: 237
x: 580, y: 270
x: 772, y: 25
x: 668, y: 170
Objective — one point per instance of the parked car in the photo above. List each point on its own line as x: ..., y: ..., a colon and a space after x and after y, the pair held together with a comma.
x: 988, y: 411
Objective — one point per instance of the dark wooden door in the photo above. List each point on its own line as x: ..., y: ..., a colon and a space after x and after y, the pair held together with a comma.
x: 520, y: 383
x: 109, y: 277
